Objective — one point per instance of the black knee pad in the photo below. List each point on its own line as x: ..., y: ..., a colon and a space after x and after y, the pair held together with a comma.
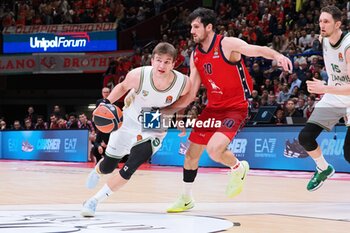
x: 347, y: 146
x: 308, y: 135
x: 139, y: 154
x: 108, y: 164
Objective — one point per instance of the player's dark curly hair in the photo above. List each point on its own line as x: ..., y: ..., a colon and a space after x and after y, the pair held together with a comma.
x: 206, y: 16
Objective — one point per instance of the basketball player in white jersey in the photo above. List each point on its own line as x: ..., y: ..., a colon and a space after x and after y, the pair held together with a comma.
x: 335, y: 103
x: 149, y: 87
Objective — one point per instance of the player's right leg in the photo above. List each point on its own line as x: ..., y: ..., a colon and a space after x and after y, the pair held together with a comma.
x: 307, y: 138
x: 117, y: 148
x: 185, y: 201
x: 217, y: 150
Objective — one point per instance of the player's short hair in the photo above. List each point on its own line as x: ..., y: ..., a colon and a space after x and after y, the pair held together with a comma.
x: 165, y: 48
x: 206, y: 16
x: 334, y: 11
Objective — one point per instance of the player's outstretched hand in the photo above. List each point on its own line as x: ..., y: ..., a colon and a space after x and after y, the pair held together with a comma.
x: 285, y: 63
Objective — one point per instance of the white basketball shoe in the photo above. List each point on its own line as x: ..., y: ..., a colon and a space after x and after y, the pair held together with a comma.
x: 89, y: 208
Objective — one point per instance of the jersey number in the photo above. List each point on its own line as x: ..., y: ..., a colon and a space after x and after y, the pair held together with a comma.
x: 335, y: 68
x: 207, y: 68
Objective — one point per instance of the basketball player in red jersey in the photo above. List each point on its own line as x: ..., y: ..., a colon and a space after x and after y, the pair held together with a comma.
x: 217, y: 63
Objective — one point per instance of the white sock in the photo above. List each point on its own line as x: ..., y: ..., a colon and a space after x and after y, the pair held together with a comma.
x: 238, y: 167
x: 104, y: 192
x: 188, y: 189
x: 321, y: 163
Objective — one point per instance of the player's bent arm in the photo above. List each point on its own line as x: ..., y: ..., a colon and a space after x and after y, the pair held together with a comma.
x: 237, y: 45
x: 344, y: 89
x: 132, y: 80
x: 195, y: 79
x: 338, y: 90
x: 189, y: 93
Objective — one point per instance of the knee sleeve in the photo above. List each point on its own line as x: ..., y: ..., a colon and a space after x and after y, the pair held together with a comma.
x: 139, y: 154
x: 308, y: 135
x: 347, y: 146
x: 108, y: 164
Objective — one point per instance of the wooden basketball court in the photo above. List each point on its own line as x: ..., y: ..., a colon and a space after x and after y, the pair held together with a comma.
x: 272, y: 201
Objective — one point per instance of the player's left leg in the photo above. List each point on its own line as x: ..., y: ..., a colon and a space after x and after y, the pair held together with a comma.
x: 185, y: 201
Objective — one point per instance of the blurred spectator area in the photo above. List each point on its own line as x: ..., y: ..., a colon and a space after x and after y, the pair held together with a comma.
x: 141, y: 24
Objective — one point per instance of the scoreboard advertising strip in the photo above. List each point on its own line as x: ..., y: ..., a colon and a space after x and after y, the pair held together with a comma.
x: 60, y: 42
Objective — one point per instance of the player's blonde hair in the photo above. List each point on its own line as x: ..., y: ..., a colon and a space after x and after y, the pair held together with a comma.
x: 165, y: 48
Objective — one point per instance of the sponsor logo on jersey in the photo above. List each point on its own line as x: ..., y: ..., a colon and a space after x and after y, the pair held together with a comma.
x: 169, y: 99
x: 216, y: 53
x: 156, y: 142
x: 215, y: 88
x: 340, y: 57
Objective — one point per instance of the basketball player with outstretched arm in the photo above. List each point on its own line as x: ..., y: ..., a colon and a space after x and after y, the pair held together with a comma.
x: 217, y: 63
x: 335, y: 103
x: 153, y: 86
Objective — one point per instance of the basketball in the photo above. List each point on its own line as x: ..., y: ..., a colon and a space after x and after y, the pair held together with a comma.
x: 107, y: 117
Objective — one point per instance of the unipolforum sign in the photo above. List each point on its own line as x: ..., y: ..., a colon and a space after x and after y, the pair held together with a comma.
x: 38, y: 39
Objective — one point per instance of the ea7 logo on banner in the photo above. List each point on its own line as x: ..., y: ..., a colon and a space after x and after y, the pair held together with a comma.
x: 66, y: 40
x: 265, y: 145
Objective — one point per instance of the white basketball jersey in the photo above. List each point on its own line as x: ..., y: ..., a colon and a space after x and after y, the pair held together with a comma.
x: 148, y: 96
x: 335, y: 62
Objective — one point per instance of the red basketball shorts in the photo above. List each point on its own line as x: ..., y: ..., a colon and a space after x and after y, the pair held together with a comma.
x: 231, y: 121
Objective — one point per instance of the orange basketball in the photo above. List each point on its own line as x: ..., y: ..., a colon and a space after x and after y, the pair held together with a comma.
x: 107, y: 117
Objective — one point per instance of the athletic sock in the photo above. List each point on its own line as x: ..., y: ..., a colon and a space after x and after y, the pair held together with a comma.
x: 238, y: 167
x: 321, y: 163
x: 188, y: 189
x: 104, y: 192
x: 188, y: 178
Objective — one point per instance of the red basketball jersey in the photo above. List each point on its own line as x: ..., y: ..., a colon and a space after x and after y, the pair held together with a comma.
x: 228, y: 84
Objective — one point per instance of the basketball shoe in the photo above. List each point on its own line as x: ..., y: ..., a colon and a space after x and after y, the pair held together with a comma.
x: 319, y: 177
x: 236, y: 182
x: 183, y: 203
x: 92, y: 179
x: 89, y: 208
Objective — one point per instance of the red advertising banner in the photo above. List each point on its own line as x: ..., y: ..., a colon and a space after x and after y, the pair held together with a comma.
x: 89, y: 27
x: 59, y: 62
